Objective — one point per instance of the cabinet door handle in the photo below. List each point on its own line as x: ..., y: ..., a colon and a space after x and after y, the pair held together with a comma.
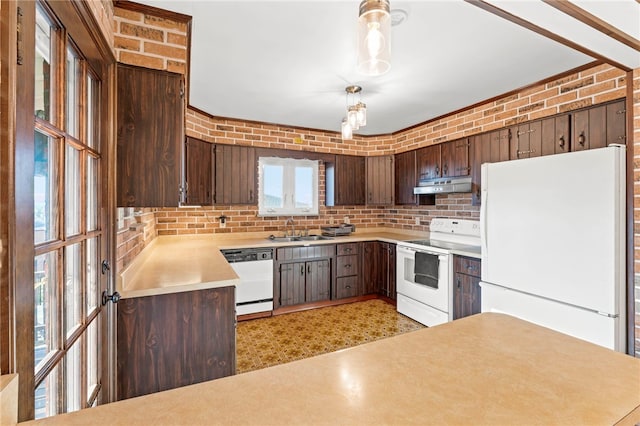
x: 308, y: 269
x: 445, y: 169
x: 458, y: 282
x: 301, y: 269
x: 561, y: 141
x: 582, y: 138
x: 251, y: 194
x: 347, y: 266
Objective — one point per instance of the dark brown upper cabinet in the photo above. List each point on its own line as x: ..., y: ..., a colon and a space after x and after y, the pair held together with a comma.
x: 555, y: 135
x: 380, y: 180
x: 428, y: 162
x: 448, y: 159
x: 455, y: 158
x: 489, y: 147
x: 349, y: 180
x: 150, y: 112
x: 235, y: 175
x: 405, y: 177
x: 541, y: 137
x: 198, y: 172
x: 599, y: 126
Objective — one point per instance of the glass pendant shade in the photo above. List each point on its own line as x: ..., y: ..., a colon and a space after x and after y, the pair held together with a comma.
x: 361, y: 109
x: 352, y: 117
x: 374, y: 37
x: 347, y: 132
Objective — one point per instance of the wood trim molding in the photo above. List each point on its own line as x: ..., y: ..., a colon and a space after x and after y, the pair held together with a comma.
x: 151, y: 10
x: 482, y: 4
x: 8, y: 105
x: 594, y: 22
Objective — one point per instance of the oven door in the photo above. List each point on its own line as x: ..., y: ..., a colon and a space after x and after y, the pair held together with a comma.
x: 435, y: 294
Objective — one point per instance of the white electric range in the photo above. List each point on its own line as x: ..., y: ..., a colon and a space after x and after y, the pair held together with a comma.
x: 424, y: 268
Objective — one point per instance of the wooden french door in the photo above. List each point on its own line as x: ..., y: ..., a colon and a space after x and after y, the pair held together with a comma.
x: 61, y: 325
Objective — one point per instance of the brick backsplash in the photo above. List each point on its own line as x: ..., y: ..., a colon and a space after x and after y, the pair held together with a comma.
x: 138, y: 231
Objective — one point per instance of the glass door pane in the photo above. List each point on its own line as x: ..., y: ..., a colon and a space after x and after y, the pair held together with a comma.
x: 72, y: 288
x: 73, y: 376
x: 46, y: 396
x: 92, y: 363
x: 92, y: 193
x: 43, y: 78
x: 46, y: 302
x: 73, y: 189
x: 72, y: 98
x: 45, y: 188
x: 93, y: 112
x: 93, y: 275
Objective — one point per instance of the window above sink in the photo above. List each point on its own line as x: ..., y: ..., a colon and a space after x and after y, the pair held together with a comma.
x: 287, y: 186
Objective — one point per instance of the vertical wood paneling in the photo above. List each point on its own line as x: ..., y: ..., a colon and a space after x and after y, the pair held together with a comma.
x: 235, y: 174
x: 380, y: 179
x: 349, y: 180
x: 150, y: 114
x: 405, y: 177
x: 173, y: 340
x: 616, y: 123
x: 199, y: 170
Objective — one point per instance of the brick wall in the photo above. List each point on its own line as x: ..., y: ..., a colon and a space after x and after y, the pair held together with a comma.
x: 592, y: 86
x: 138, y: 231
x: 150, y: 41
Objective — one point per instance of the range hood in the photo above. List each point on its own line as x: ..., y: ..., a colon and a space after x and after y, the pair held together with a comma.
x: 444, y: 185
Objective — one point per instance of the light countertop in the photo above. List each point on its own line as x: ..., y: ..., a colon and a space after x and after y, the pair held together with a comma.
x: 173, y: 264
x: 487, y: 369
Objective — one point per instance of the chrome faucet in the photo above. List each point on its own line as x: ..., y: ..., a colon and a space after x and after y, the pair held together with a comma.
x: 293, y: 229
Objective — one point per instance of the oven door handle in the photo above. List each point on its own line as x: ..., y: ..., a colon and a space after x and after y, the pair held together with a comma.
x: 411, y: 251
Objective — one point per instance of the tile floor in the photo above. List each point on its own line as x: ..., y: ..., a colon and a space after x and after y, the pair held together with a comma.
x: 284, y: 338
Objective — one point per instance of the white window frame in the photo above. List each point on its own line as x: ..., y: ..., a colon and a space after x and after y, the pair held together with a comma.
x: 288, y: 209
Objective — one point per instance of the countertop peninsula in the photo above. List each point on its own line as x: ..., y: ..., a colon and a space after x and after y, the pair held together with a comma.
x: 486, y: 369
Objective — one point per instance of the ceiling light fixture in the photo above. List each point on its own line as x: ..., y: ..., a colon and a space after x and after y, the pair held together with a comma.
x: 374, y: 37
x: 356, y: 112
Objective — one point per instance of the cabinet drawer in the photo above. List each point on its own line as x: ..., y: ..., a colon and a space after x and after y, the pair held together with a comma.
x: 467, y: 265
x: 347, y: 265
x: 346, y: 287
x: 309, y: 252
x: 350, y: 248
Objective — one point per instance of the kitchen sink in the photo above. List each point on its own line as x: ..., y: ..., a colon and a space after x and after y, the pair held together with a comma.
x: 307, y: 238
x: 283, y: 239
x: 315, y: 238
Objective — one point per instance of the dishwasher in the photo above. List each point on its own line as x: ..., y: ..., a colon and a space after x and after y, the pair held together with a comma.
x: 254, y: 267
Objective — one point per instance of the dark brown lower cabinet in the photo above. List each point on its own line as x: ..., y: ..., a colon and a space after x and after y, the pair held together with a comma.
x: 172, y: 340
x: 303, y: 282
x: 466, y: 287
x: 379, y: 268
x: 347, y: 270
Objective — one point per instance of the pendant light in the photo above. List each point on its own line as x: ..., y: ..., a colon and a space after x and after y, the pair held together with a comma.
x: 356, y: 112
x: 374, y: 37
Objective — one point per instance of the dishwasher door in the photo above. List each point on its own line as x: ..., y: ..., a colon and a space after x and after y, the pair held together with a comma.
x: 255, y: 291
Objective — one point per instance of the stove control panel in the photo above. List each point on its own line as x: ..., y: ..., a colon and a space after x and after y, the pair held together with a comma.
x: 455, y: 226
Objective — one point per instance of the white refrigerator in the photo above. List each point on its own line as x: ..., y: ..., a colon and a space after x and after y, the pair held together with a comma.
x: 553, y: 242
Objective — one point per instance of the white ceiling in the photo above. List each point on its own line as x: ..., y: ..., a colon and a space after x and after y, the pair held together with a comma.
x: 288, y: 62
